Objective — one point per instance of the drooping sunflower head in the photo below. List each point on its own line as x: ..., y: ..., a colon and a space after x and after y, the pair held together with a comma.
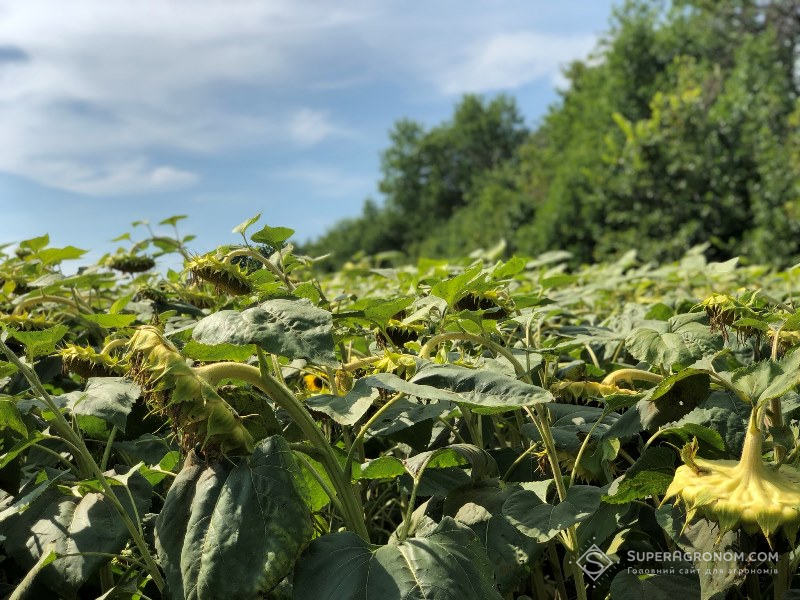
x: 572, y: 391
x: 88, y: 363
x: 724, y: 311
x: 495, y: 304
x: 747, y: 493
x: 173, y: 388
x: 26, y: 322
x: 151, y: 293
x: 223, y: 276
x: 131, y: 263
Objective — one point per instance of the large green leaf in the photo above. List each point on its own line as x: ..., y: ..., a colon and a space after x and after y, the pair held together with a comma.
x: 233, y: 530
x: 629, y: 586
x: 292, y: 328
x: 109, y: 398
x: 347, y: 409
x: 11, y: 419
x: 74, y: 525
x: 765, y: 380
x: 39, y: 343
x: 455, y: 455
x: 447, y: 564
x: 483, y: 391
x: 681, y: 340
x: 454, y: 288
x: 480, y: 508
x: 649, y: 476
x: 724, y: 413
x: 542, y: 521
x: 715, y: 552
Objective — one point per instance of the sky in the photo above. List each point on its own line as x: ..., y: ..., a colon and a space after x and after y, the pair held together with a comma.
x: 125, y: 110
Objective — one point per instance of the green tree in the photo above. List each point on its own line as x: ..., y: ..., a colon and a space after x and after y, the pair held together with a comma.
x: 428, y: 175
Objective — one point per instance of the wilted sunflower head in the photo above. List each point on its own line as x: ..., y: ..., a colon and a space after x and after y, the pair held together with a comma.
x: 130, y: 263
x: 174, y: 389
x: 494, y: 303
x: 88, y: 363
x: 572, y: 391
x: 724, y: 311
x: 224, y: 276
x: 26, y: 322
x: 402, y: 365
x: 747, y: 493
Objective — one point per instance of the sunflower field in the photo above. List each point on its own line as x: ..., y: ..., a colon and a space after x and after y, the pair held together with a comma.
x: 248, y: 425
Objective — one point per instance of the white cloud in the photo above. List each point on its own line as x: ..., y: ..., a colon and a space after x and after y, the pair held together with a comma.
x: 107, y: 178
x: 97, y: 91
x: 308, y: 127
x: 507, y: 61
x: 94, y: 94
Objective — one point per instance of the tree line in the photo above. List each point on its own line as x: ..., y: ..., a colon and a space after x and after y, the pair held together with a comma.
x: 681, y: 128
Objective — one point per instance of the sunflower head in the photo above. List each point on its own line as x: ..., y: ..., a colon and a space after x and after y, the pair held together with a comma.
x: 151, y: 293
x: 747, y: 493
x: 173, y: 388
x: 572, y: 391
x: 495, y: 304
x: 26, y: 322
x: 314, y: 383
x: 723, y: 311
x: 88, y: 363
x: 223, y: 276
x: 131, y: 263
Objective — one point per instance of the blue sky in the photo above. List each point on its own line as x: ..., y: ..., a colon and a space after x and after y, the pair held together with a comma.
x: 112, y: 112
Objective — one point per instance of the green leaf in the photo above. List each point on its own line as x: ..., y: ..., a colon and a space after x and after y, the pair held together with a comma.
x: 447, y: 564
x: 383, y: 468
x: 20, y: 447
x: 724, y: 413
x: 649, y: 476
x: 629, y: 586
x: 108, y: 398
x: 455, y: 455
x: 347, y: 409
x: 39, y: 343
x: 674, y: 397
x: 717, y: 567
x: 307, y: 483
x: 380, y: 311
x: 542, y: 521
x: 681, y: 340
x: 272, y: 236
x: 111, y: 321
x: 11, y: 419
x: 217, y: 352
x: 233, y: 529
x: 50, y: 256
x: 172, y: 220
x: 292, y: 328
x: 35, y: 244
x: 483, y: 391
x: 450, y: 290
x: 765, y: 380
x: 244, y: 225
x: 74, y: 525
x: 405, y: 413
x: 479, y: 507
x: 687, y: 431
x: 119, y: 304
x: 509, y: 268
